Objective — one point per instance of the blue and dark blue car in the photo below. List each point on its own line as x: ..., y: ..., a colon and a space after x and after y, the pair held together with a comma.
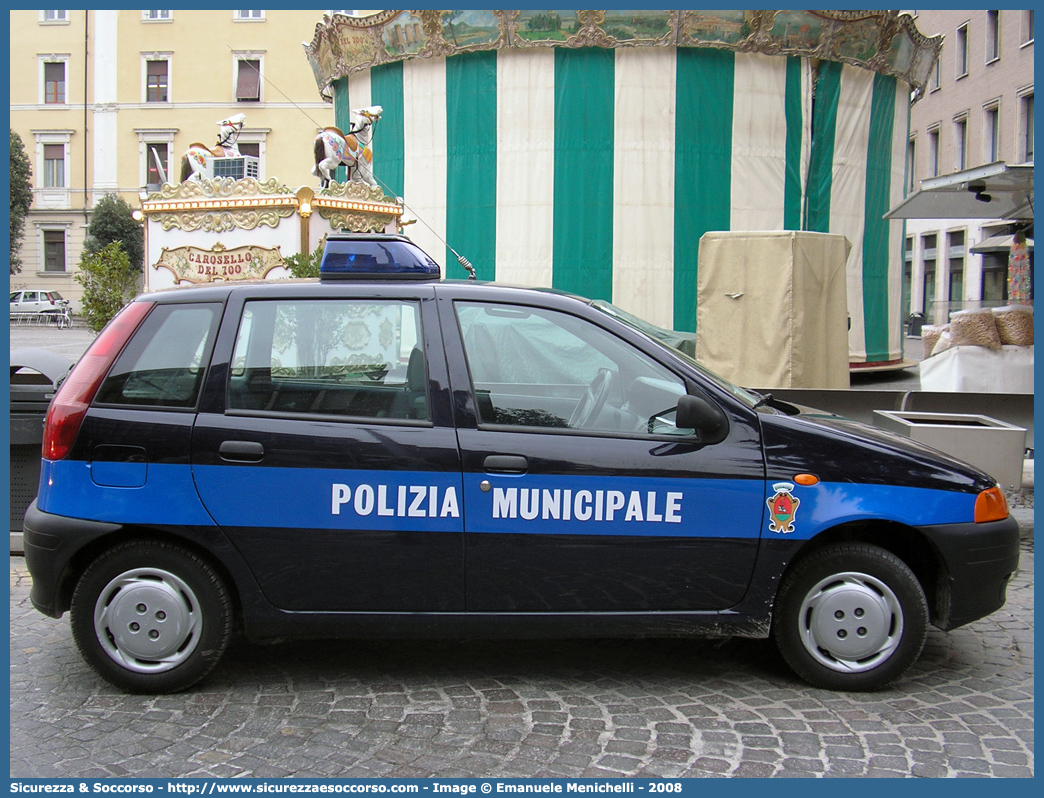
x: 381, y: 452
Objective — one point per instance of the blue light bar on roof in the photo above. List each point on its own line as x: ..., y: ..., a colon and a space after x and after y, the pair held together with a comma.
x: 376, y: 257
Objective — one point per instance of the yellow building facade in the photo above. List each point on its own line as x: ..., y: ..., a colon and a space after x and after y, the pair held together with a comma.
x: 108, y: 101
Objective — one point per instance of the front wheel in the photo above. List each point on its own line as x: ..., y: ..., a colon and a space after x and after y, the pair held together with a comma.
x: 151, y: 617
x: 850, y: 616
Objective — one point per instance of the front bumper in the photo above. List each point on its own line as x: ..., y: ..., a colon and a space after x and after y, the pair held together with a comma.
x: 979, y: 561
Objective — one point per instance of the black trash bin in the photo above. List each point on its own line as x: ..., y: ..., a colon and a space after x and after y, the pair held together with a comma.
x: 914, y: 324
x: 34, y: 374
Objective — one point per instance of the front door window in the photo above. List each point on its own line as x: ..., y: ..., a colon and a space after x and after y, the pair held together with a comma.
x: 537, y: 368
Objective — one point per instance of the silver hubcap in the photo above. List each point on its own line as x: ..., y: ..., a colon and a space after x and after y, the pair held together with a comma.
x: 851, y: 622
x: 148, y: 620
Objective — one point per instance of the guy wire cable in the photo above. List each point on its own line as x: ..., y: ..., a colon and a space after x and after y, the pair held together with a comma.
x: 460, y: 258
x: 272, y: 84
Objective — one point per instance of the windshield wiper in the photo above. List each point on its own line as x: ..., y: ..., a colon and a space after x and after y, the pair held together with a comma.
x: 766, y: 399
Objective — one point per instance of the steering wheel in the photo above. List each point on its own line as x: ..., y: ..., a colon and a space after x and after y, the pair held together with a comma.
x: 593, y: 400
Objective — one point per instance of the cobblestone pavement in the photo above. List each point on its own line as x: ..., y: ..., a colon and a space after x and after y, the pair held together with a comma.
x: 518, y: 709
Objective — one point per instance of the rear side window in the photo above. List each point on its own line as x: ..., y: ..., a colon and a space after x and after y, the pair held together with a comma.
x: 347, y: 357
x: 163, y: 364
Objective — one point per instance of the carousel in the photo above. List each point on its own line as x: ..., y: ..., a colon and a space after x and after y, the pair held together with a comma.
x: 593, y: 151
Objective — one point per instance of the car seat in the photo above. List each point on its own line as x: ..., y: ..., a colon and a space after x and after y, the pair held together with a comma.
x: 412, y: 402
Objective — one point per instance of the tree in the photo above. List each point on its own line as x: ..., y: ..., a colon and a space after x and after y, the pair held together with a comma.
x: 21, y: 197
x: 109, y: 282
x: 321, y: 334
x: 447, y: 22
x: 303, y: 264
x: 113, y: 220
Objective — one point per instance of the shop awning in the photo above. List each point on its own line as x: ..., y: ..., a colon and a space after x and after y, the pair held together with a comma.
x: 993, y: 191
x: 999, y: 243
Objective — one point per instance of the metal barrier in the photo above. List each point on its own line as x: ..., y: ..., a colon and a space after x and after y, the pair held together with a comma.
x: 57, y: 319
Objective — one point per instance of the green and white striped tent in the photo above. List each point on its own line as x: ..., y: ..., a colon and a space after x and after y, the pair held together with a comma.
x: 597, y: 170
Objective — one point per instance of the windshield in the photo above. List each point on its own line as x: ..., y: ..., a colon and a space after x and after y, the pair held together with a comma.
x: 684, y: 344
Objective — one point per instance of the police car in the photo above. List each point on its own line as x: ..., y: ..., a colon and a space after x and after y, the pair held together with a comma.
x: 382, y: 452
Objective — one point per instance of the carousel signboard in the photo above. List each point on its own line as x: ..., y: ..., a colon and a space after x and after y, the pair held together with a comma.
x: 195, y: 265
x: 199, y: 231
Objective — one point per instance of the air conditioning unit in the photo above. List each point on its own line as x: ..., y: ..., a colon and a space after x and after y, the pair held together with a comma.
x: 237, y: 167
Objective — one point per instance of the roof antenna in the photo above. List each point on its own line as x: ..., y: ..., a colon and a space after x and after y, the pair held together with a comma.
x: 464, y: 262
x: 460, y: 258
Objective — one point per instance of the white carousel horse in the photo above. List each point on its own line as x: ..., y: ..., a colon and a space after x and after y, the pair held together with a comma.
x: 333, y: 148
x: 196, y: 161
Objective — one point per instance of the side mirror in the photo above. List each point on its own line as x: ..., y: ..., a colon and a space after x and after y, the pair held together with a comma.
x: 708, y: 420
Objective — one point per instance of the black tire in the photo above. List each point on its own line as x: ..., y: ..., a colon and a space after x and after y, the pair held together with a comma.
x: 151, y: 617
x: 850, y: 616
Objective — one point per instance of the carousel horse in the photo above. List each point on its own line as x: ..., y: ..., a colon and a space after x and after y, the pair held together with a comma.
x: 198, y: 157
x: 333, y: 148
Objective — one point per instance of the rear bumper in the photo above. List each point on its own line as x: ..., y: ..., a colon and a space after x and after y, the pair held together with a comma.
x: 50, y: 542
x: 980, y: 560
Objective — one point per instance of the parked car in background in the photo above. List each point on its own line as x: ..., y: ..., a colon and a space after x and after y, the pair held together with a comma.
x: 37, y: 302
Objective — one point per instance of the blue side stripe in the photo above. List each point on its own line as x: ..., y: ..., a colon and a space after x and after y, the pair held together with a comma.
x: 167, y: 497
x: 319, y: 498
x: 637, y: 506
x: 389, y: 500
x: 315, y: 498
x: 829, y: 504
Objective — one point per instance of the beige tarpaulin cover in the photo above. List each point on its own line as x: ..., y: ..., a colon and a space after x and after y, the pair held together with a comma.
x: 772, y: 308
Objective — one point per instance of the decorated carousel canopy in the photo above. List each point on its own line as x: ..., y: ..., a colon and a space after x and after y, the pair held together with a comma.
x: 591, y: 150
x: 882, y: 41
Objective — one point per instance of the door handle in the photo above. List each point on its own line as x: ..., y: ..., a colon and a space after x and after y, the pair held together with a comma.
x: 242, y: 451
x: 505, y: 464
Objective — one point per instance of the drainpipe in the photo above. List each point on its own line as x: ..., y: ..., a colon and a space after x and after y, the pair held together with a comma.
x: 86, y: 40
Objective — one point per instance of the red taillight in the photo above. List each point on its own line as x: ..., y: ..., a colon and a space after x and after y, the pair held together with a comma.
x: 75, y: 395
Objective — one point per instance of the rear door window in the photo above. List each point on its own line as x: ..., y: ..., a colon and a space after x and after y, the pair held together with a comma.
x: 359, y: 358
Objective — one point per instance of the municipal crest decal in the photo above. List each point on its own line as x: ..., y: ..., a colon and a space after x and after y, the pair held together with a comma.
x: 782, y: 508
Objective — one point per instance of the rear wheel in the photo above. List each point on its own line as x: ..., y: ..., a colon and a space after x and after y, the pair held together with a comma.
x: 851, y: 616
x: 151, y: 617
